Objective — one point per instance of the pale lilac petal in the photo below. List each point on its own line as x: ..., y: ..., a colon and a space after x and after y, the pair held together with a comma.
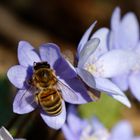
x: 113, y: 44
x: 85, y: 38
x: 122, y: 131
x: 102, y: 48
x: 26, y: 54
x: 88, y: 51
x: 76, y: 125
x: 87, y: 77
x: 89, y: 47
x: 97, y: 125
x: 55, y: 122
x: 17, y: 76
x: 137, y: 49
x: 116, y: 62
x: 129, y: 31
x: 72, y: 130
x: 24, y: 102
x: 121, y: 81
x: 69, y: 135
x: 115, y: 19
x: 89, y: 80
x: 134, y: 83
x: 111, y: 89
x: 125, y: 33
x: 51, y: 53
x: 115, y: 26
x: 5, y: 135
x: 74, y: 91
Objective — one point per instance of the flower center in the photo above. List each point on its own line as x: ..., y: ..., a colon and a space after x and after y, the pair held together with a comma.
x: 95, y: 70
x: 90, y: 68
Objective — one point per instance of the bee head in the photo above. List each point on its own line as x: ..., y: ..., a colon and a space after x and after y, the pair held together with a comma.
x: 38, y: 65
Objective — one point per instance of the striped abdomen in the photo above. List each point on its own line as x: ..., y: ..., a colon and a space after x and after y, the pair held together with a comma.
x: 50, y: 101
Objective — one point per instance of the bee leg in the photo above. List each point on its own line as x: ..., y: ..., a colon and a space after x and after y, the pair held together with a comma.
x: 36, y: 98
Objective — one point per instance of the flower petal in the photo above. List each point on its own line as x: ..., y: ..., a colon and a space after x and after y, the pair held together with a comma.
x: 51, y: 53
x: 87, y: 51
x: 55, y: 122
x: 137, y: 49
x: 74, y: 91
x: 103, y: 85
x: 24, y: 102
x: 116, y: 62
x: 111, y: 89
x: 115, y: 19
x: 122, y: 131
x: 5, y: 135
x: 121, y: 81
x: 129, y: 31
x: 89, y: 47
x: 115, y: 25
x: 64, y: 69
x: 17, y: 76
x: 86, y: 77
x: 73, y: 118
x: 67, y: 133
x: 74, y: 125
x: 26, y: 54
x: 85, y: 38
x: 102, y: 34
x: 134, y: 83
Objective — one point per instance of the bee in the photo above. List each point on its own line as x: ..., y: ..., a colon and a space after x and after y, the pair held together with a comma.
x: 48, y: 89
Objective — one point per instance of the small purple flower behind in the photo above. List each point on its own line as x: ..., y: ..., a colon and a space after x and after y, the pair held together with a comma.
x: 125, y: 36
x: 77, y: 128
x: 82, y: 129
x: 33, y: 94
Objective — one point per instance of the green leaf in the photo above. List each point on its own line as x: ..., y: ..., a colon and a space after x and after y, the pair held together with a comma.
x: 106, y: 109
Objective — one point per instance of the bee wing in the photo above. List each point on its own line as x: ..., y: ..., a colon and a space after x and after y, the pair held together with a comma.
x: 27, y: 92
x: 68, y: 94
x: 24, y: 101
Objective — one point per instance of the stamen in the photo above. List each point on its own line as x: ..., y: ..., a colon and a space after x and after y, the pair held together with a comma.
x: 95, y: 70
x: 91, y: 68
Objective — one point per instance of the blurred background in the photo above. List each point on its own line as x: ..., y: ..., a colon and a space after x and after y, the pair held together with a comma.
x: 61, y: 22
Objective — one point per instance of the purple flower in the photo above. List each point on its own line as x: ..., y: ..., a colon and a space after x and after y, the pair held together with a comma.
x: 96, y: 64
x: 125, y: 36
x: 82, y: 129
x: 74, y: 126
x: 71, y: 89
